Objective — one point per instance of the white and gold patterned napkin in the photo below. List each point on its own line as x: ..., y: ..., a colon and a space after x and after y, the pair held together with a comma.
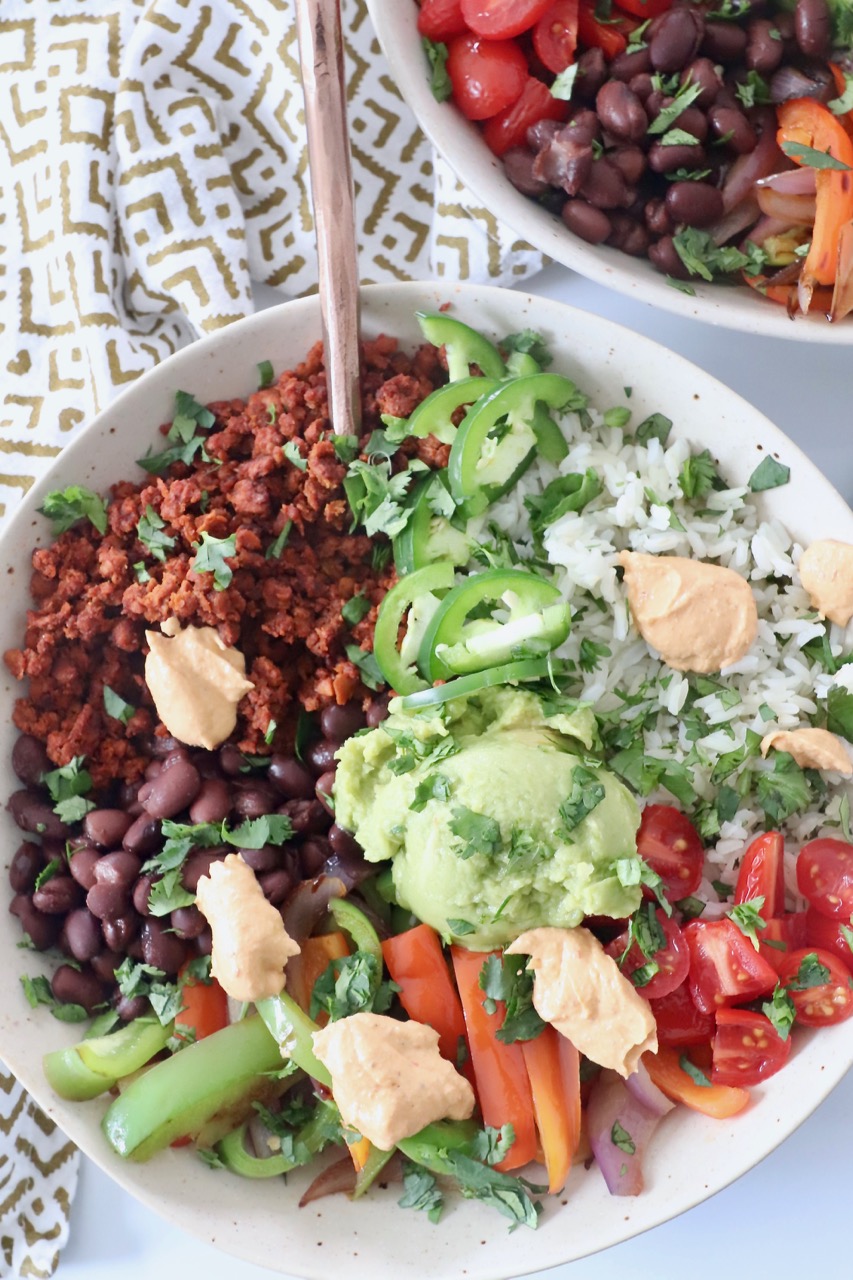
x: 153, y: 162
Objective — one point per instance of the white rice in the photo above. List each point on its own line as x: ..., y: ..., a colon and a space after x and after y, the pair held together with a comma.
x: 776, y: 684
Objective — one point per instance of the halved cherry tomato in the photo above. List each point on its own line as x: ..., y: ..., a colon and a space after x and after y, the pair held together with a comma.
x: 555, y: 36
x: 441, y: 19
x: 670, y: 844
x: 825, y: 877
x: 782, y: 935
x: 678, y: 1020
x: 725, y: 967
x: 828, y: 934
x: 747, y: 1048
x: 819, y: 985
x: 761, y: 874
x: 610, y: 37
x: 502, y: 19
x: 509, y: 128
x: 644, y: 8
x: 673, y: 959
x: 487, y: 75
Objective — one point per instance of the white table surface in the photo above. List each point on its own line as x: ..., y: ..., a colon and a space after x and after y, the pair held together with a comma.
x: 791, y: 1215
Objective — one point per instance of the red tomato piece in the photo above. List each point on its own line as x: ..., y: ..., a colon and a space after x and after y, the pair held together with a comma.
x: 644, y: 8
x: 555, y: 36
x: 509, y: 128
x: 670, y: 844
x: 829, y: 935
x: 487, y: 75
x: 819, y: 985
x: 441, y: 20
x: 502, y: 19
x: 747, y: 1048
x: 678, y: 1020
x: 761, y: 874
x: 782, y: 935
x: 825, y: 877
x: 673, y: 959
x: 610, y: 37
x: 725, y: 967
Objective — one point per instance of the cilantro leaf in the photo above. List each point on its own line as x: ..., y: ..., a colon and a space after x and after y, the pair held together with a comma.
x: 631, y: 871
x: 478, y: 832
x: 38, y: 992
x: 667, y: 116
x: 275, y: 549
x: 149, y: 531
x: 839, y: 712
x: 168, y: 894
x: 656, y: 427
x: 356, y: 608
x: 64, y: 507
x: 439, y: 80
x: 151, y: 983
x: 47, y: 872
x: 491, y: 1145
x: 190, y: 416
x: 567, y: 493
x: 352, y: 984
x: 695, y: 1073
x: 211, y: 555
x: 68, y: 786
x: 376, y: 497
x: 591, y: 654
x: 564, y: 83
x: 811, y: 973
x: 702, y: 257
x: 784, y: 790
x: 769, y: 474
x: 345, y: 447
x: 420, y: 1191
x: 699, y: 475
x: 754, y: 91
x: 621, y: 1138
x: 507, y: 980
x: 265, y: 374
x: 781, y: 1011
x: 499, y: 1190
x: 529, y: 343
x: 367, y: 665
x: 116, y: 707
x: 460, y: 928
x: 586, y: 794
x: 293, y: 454
x: 433, y: 787
x: 747, y: 916
x: 254, y: 833
x: 812, y: 157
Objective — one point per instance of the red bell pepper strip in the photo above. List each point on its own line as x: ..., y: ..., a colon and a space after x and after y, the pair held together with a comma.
x: 416, y: 963
x: 610, y: 37
x: 553, y: 1068
x: 810, y: 124
x: 503, y: 1087
x: 314, y: 958
x: 205, y: 1008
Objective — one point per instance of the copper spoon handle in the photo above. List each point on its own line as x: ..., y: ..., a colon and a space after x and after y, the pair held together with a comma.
x: 321, y: 53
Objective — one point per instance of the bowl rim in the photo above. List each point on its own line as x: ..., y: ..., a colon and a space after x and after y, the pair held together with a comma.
x: 727, y: 306
x: 820, y: 1061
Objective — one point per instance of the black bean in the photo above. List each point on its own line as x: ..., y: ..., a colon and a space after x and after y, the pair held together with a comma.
x: 77, y: 986
x: 178, y: 756
x: 160, y: 947
x: 198, y: 865
x: 630, y: 161
x: 143, y: 836
x: 82, y: 866
x: 344, y: 844
x: 590, y: 224
x: 724, y: 42
x: 121, y: 931
x: 621, y: 111
x: 694, y: 122
x: 764, y: 49
x: 291, y: 778
x: 695, y: 203
x: 254, y: 799
x: 106, y: 827
x: 127, y: 795
x: 702, y: 72
x: 162, y: 746
x: 119, y: 868
x: 30, y: 760
x: 605, y: 188
x: 204, y: 942
x: 674, y: 38
x: 172, y: 790
x: 26, y: 863
x: 590, y: 75
x: 213, y: 802
x: 231, y: 761
x: 325, y: 790
x: 312, y: 856
x: 36, y: 815
x: 565, y: 163
x: 106, y: 963
x: 152, y: 770
x: 188, y: 922
x: 207, y: 763
x: 276, y: 885
x: 538, y: 135
x: 308, y: 817
x: 664, y: 255
x: 141, y: 891
x: 632, y: 62
x: 320, y: 756
x: 664, y: 159
x: 656, y: 218
x: 813, y: 29
x: 518, y: 167
x: 628, y: 235
x: 108, y: 901
x: 83, y: 934
x: 339, y: 723
x: 42, y: 930
x: 129, y: 1008
x: 58, y: 895
x: 267, y: 858
x: 731, y: 123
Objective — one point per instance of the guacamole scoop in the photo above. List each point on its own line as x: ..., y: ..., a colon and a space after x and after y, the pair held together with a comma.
x: 495, y: 818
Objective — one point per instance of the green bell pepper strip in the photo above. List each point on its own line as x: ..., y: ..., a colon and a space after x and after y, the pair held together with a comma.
x: 195, y: 1091
x: 292, y: 1030
x: 354, y: 922
x: 434, y: 416
x: 464, y: 686
x: 463, y: 346
x: 538, y: 616
x: 434, y: 577
x: 312, y: 1137
x: 427, y: 537
x: 373, y: 1166
x: 521, y: 363
x: 516, y: 402
x: 91, y: 1067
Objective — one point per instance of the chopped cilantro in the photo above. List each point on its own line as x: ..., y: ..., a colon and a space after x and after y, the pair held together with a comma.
x: 747, y: 916
x: 116, y: 707
x: 699, y: 475
x: 149, y: 982
x: 839, y: 712
x: 142, y: 574
x: 420, y: 1191
x: 622, y: 1139
x: 439, y: 80
x: 656, y: 426
x: 435, y: 786
x: 695, y: 1073
x: 564, y: 83
x: 685, y: 97
x: 812, y: 157
x: 68, y: 786
x: 367, y: 665
x: 811, y: 973
x: 345, y: 447
x: 618, y: 417
x: 631, y: 871
x: 356, y: 608
x: 508, y: 1195
x: 265, y: 374
x: 528, y: 343
x: 211, y: 556
x: 168, y: 894
x: 678, y: 138
x: 784, y: 790
x: 254, y: 833
x: 754, y: 91
x: 376, y: 497
x: 149, y: 531
x: 64, y: 507
x: 769, y: 474
x: 352, y: 984
x: 293, y: 454
x: 591, y: 654
x: 381, y: 444
x: 586, y: 794
x: 780, y: 1010
x: 508, y: 980
x: 566, y: 493
x: 208, y: 1156
x: 703, y: 257
x: 48, y: 872
x: 38, y: 991
x: 492, y: 1145
x: 460, y: 928
x: 190, y: 416
x: 478, y: 833
x: 275, y: 549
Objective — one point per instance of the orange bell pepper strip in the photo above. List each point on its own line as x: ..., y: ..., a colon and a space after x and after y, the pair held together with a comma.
x: 810, y: 124
x: 553, y: 1068
x: 315, y: 956
x: 503, y: 1086
x: 416, y: 963
x: 719, y: 1101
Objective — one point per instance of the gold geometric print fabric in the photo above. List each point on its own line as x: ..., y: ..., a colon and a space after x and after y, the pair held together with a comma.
x: 153, y: 163
x: 38, y: 1178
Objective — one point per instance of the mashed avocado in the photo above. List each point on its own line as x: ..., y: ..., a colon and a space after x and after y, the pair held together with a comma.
x: 496, y: 818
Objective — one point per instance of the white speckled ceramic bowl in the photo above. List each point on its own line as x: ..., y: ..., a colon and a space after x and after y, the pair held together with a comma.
x: 692, y: 1157
x: 460, y: 143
